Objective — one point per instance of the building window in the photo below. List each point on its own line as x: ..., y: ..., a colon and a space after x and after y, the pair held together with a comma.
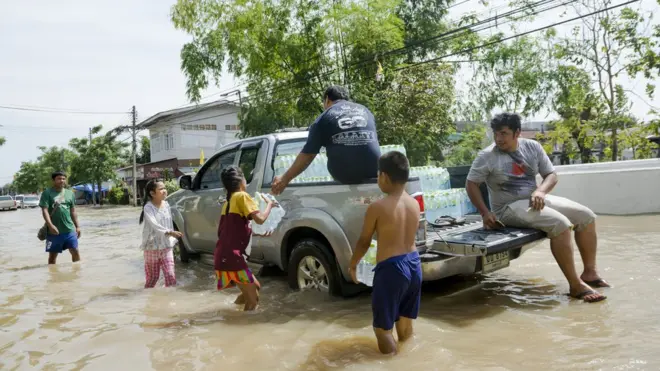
x: 155, y: 143
x: 199, y: 127
x: 231, y: 127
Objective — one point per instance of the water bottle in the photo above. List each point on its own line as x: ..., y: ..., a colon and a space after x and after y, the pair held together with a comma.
x: 364, y: 271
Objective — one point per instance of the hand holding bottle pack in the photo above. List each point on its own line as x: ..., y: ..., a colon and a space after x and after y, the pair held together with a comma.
x: 275, y: 217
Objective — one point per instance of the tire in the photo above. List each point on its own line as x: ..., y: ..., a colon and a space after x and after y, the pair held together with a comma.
x: 184, y: 254
x: 312, y: 256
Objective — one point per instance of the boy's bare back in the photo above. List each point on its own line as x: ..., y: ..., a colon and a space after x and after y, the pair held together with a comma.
x: 397, y: 221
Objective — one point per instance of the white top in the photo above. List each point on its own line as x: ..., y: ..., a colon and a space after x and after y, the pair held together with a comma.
x: 157, y: 222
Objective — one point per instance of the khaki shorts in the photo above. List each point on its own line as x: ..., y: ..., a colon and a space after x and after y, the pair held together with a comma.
x: 558, y: 215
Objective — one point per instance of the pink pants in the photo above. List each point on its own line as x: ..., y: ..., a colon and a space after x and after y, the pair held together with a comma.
x: 154, y: 261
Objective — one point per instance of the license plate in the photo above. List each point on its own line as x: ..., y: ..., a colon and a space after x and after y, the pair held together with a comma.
x: 491, y: 263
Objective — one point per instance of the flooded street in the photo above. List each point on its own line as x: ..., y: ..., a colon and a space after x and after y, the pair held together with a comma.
x: 95, y: 315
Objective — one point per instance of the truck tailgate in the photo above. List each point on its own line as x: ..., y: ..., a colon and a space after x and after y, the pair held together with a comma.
x: 493, y: 249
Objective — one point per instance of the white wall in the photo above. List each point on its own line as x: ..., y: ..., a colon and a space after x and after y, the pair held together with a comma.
x: 616, y: 188
x: 188, y: 143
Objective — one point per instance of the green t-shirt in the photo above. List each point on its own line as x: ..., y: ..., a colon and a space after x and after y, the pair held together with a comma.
x: 61, y: 218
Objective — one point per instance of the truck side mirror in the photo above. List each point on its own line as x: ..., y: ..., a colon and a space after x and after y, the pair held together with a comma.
x: 185, y: 182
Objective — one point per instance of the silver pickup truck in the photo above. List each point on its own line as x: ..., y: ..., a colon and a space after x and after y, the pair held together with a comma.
x: 314, y: 241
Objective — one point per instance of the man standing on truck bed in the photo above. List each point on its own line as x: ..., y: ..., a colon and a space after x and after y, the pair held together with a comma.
x: 509, y: 168
x: 348, y: 132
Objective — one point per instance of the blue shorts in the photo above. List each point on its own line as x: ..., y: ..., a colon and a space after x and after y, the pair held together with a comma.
x: 63, y: 241
x: 397, y: 289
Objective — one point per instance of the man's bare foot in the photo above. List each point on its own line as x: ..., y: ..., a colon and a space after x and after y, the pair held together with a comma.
x: 586, y: 293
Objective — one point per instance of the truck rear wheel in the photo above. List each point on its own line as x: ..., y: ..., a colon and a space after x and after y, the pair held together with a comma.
x: 311, y: 267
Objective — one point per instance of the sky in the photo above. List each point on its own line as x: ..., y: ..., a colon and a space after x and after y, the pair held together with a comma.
x: 106, y: 56
x: 84, y: 55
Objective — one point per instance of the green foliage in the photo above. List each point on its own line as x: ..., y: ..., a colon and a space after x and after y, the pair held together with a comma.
x: 577, y: 106
x: 415, y: 111
x: 83, y: 163
x: 171, y: 186
x: 97, y: 159
x: 29, y: 178
x: 289, y: 51
x: 513, y: 76
x: 117, y: 195
x: 465, y: 150
x: 603, y: 46
x: 2, y: 141
x: 144, y: 154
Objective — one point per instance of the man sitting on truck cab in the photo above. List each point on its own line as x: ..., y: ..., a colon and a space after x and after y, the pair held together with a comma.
x: 509, y: 168
x: 347, y: 130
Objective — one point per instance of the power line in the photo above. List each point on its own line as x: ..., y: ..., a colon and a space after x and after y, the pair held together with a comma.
x: 56, y: 110
x: 517, y: 35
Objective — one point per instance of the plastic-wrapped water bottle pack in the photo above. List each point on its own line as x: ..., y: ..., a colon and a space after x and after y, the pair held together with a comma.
x: 318, y: 169
x: 432, y: 178
x: 365, y: 268
x: 274, y: 218
x: 392, y: 147
x: 451, y: 202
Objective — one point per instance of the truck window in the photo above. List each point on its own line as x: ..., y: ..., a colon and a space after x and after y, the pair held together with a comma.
x: 211, y: 176
x: 290, y: 147
x: 248, y: 162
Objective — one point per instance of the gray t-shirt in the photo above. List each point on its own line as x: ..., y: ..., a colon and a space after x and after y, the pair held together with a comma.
x: 510, y: 176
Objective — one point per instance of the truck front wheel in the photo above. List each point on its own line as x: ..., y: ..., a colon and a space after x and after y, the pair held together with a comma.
x: 311, y: 267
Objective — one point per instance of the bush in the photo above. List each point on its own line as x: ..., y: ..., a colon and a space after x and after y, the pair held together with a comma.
x: 171, y: 186
x: 118, y: 195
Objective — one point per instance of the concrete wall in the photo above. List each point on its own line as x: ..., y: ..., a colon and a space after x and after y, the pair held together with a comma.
x: 616, y: 188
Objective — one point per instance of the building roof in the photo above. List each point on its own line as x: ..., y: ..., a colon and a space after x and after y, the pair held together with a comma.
x: 178, y: 112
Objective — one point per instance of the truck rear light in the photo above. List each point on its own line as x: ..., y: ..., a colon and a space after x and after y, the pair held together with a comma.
x: 419, y: 197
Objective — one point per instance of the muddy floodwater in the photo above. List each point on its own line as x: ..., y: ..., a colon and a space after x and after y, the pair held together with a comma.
x: 96, y: 316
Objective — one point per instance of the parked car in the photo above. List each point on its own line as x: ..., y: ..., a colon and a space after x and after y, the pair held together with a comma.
x: 314, y: 241
x: 19, y: 201
x: 8, y: 203
x: 30, y: 202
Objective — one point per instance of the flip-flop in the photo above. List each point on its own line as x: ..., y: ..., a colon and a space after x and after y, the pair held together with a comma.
x: 581, y: 296
x: 599, y: 283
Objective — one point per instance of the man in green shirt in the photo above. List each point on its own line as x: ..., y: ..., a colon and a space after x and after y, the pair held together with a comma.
x: 59, y: 211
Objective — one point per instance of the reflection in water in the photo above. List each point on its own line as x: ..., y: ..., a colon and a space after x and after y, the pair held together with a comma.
x: 96, y: 315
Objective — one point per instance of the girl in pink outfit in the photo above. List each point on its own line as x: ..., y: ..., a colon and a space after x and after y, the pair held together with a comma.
x: 158, y: 235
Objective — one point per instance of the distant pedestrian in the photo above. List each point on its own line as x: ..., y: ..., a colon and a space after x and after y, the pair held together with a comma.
x: 234, y: 235
x: 158, y: 235
x: 59, y: 211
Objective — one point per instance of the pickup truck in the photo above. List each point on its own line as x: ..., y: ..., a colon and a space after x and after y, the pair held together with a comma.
x: 314, y: 241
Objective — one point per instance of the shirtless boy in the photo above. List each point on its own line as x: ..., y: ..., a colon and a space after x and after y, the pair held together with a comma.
x: 398, y: 275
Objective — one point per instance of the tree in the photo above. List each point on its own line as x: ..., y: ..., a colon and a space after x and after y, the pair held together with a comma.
x: 98, y: 159
x: 604, y: 45
x: 465, y: 150
x: 30, y: 178
x: 578, y: 107
x: 289, y: 51
x: 416, y: 111
x: 2, y: 141
x: 144, y: 156
x: 8, y: 189
x: 513, y: 76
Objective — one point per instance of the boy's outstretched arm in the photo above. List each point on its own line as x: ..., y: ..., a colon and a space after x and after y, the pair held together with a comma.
x: 368, y: 229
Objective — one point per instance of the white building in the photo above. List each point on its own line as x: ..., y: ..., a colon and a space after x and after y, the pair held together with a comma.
x: 183, y: 133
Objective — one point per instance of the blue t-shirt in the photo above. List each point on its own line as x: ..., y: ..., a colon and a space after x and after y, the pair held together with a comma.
x: 347, y: 130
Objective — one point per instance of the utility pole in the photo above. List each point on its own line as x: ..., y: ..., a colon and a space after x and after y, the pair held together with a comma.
x: 89, y: 146
x: 134, y: 134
